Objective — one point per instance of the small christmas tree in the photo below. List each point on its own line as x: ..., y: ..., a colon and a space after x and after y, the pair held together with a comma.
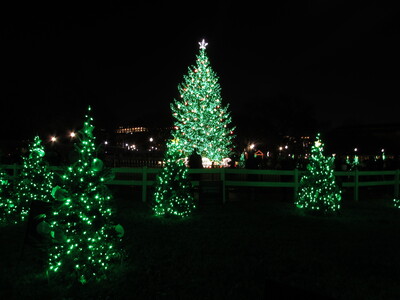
x: 86, y: 239
x: 35, y: 182
x: 173, y: 192
x: 7, y: 207
x: 318, y: 191
x: 202, y: 122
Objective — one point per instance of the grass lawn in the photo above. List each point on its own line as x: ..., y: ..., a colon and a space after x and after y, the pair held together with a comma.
x: 253, y: 247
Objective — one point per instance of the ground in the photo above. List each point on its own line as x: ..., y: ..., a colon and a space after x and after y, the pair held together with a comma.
x: 256, y: 246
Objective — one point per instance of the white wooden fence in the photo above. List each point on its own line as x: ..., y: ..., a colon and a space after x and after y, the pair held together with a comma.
x: 145, y: 177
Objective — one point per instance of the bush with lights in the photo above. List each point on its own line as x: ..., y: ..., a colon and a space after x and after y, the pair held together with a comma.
x: 318, y: 192
x: 202, y: 122
x: 86, y: 239
x: 173, y: 191
x: 34, y: 183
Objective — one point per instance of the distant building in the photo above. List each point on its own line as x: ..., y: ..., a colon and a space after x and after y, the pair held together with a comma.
x: 131, y: 130
x: 142, y: 139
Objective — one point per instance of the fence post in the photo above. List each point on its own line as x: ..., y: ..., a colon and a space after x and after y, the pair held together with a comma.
x: 223, y: 185
x: 144, y: 184
x: 396, y: 183
x: 15, y: 173
x: 356, y: 185
x: 296, y: 183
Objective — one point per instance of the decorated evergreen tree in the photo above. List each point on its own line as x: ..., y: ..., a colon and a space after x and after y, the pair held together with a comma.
x: 7, y: 207
x: 201, y: 120
x: 35, y: 181
x: 318, y: 191
x: 173, y: 192
x: 85, y: 237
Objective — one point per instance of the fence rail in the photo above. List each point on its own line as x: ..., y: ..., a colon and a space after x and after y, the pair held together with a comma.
x: 145, y: 177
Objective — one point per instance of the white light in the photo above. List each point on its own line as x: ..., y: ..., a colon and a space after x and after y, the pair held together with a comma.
x: 151, y: 139
x: 53, y: 139
x: 72, y: 134
x: 203, y: 44
x: 206, y: 162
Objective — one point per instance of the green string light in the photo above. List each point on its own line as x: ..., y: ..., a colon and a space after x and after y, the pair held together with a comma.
x: 201, y: 121
x: 8, y: 210
x: 35, y: 182
x: 173, y: 191
x: 318, y: 191
x: 85, y: 237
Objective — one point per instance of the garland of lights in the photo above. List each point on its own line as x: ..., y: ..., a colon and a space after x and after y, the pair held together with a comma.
x: 201, y: 121
x: 85, y: 238
x: 318, y: 191
x: 35, y: 182
x: 173, y: 191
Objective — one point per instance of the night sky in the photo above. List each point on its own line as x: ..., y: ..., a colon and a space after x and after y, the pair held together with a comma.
x: 281, y: 64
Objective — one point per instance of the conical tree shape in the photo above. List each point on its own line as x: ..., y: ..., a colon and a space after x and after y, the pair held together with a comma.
x: 173, y: 192
x: 201, y: 119
x: 318, y: 191
x: 35, y: 182
x: 86, y: 241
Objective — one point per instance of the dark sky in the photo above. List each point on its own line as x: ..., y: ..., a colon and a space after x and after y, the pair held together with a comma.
x: 286, y: 61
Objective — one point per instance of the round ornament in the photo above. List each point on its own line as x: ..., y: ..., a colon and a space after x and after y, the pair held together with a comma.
x: 43, y: 228
x: 97, y: 165
x: 119, y: 230
x: 59, y: 194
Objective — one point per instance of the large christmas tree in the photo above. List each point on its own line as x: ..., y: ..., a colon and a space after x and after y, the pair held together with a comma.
x: 202, y: 122
x: 173, y: 192
x: 318, y: 191
x: 35, y: 182
x: 86, y: 239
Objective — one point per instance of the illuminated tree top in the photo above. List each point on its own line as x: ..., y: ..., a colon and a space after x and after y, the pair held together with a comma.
x: 203, y: 44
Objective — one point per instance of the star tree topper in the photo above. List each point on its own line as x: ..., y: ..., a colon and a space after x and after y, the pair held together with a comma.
x: 203, y: 44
